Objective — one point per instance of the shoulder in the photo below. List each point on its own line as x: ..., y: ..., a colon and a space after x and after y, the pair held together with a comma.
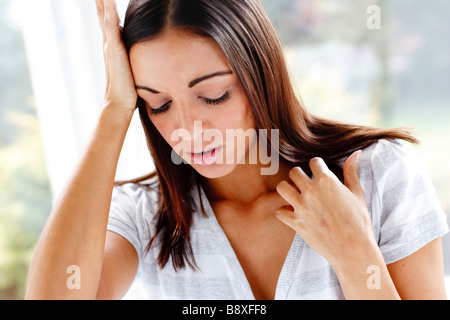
x: 393, y: 172
x: 385, y: 153
x: 391, y: 155
x: 133, y: 209
x: 405, y: 211
x: 134, y: 194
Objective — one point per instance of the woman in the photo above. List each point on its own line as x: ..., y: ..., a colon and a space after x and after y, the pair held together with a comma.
x: 348, y: 213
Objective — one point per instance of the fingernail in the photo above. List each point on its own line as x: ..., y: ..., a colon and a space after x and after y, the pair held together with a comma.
x: 358, y: 155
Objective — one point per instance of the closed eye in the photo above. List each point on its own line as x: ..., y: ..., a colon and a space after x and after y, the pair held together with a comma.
x: 161, y: 109
x: 215, y: 102
x: 220, y: 100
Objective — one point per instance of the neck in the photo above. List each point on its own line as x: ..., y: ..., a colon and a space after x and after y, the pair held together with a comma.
x: 245, y: 184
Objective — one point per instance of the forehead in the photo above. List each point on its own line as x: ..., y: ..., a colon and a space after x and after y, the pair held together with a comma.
x: 176, y: 56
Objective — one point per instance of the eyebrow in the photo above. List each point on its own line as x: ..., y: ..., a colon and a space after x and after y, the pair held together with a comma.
x: 192, y: 83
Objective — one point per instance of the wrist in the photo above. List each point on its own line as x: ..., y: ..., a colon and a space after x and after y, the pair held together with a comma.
x: 358, y: 258
x: 117, y: 115
x: 366, y: 277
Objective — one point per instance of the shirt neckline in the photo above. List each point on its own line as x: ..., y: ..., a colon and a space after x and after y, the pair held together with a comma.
x: 287, y: 271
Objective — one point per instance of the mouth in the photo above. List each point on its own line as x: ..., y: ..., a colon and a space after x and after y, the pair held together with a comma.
x: 205, y: 158
x: 202, y: 153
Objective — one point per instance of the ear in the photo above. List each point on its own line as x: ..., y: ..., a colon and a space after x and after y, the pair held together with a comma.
x: 351, y: 173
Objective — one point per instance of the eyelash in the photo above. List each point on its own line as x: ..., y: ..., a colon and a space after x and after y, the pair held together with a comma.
x: 213, y: 102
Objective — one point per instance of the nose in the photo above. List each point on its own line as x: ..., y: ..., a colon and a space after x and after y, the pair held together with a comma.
x: 190, y: 122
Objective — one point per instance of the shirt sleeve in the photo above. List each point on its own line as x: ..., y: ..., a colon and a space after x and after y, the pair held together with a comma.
x: 408, y: 211
x: 123, y: 215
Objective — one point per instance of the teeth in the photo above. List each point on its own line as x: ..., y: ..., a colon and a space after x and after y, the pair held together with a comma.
x: 202, y: 153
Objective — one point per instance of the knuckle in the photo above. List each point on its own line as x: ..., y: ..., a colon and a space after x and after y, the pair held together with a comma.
x: 281, y: 186
x: 297, y: 203
x: 323, y: 176
x: 321, y: 179
x: 294, y: 173
x: 298, y: 220
x: 315, y: 160
x: 318, y: 163
x: 315, y: 163
x: 100, y: 12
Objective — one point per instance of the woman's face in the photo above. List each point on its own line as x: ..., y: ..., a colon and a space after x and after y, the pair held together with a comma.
x: 191, y: 92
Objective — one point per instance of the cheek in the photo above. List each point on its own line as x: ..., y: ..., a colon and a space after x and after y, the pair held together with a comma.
x: 237, y: 116
x: 245, y: 112
x: 165, y: 129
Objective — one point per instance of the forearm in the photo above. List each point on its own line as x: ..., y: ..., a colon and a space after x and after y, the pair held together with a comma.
x: 366, y: 277
x: 76, y: 229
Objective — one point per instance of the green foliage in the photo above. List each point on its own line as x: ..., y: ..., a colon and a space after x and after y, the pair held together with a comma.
x: 24, y: 203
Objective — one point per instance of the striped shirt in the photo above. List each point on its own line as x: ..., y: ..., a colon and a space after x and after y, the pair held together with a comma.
x: 404, y: 209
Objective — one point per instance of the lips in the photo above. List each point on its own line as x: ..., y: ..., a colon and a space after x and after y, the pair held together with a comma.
x: 205, y: 158
x: 203, y: 152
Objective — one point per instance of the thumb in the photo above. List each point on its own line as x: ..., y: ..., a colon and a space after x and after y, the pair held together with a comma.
x: 351, y: 171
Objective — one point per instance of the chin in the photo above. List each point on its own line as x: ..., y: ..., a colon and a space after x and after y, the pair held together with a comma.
x: 219, y: 167
x: 214, y: 171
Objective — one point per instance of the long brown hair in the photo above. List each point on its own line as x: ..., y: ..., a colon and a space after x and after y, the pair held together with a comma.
x: 244, y: 32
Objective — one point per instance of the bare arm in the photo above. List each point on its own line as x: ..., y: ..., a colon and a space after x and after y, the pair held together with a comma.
x: 420, y: 276
x: 75, y: 232
x: 120, y: 264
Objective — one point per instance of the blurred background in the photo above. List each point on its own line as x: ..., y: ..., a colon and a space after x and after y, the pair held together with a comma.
x: 374, y: 62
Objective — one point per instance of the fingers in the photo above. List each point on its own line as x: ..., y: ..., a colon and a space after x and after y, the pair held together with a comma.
x: 286, y: 216
x: 111, y: 24
x: 318, y: 167
x: 101, y: 16
x: 101, y: 20
x: 289, y: 192
x: 120, y: 86
x: 115, y: 55
x: 300, y: 178
x: 293, y: 193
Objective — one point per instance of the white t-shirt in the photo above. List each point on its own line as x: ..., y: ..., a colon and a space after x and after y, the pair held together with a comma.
x: 405, y: 213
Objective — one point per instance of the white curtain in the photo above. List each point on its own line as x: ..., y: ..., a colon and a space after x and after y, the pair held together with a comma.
x: 64, y: 47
